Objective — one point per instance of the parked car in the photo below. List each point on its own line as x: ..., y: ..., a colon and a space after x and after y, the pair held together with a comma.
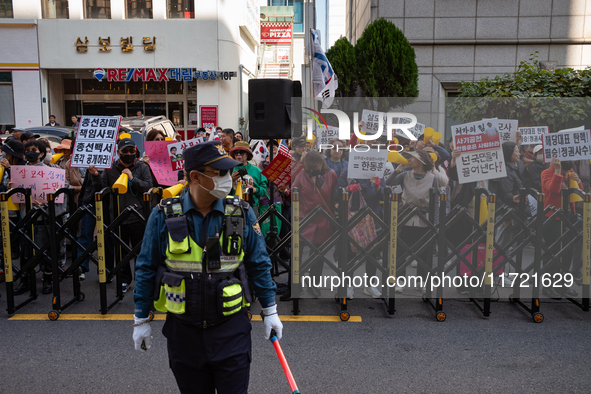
x: 145, y: 124
x: 59, y: 131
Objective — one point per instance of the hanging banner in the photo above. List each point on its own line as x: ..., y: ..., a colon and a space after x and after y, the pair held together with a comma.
x: 208, y: 115
x: 96, y: 142
x: 157, y: 152
x: 40, y: 179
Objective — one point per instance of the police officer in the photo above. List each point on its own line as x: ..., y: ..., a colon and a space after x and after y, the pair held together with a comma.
x: 200, y: 256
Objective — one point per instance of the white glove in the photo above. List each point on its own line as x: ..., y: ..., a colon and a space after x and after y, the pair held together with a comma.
x: 271, y: 322
x: 142, y: 334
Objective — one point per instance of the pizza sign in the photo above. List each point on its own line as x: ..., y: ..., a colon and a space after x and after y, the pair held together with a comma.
x: 276, y: 33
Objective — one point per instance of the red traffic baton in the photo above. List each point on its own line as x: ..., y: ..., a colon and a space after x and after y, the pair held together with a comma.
x: 292, y: 384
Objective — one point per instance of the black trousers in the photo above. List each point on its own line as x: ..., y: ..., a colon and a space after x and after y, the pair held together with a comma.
x: 206, y: 360
x: 132, y: 234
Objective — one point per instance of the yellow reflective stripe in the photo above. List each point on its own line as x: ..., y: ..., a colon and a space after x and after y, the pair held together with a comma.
x: 183, y: 266
x: 232, y: 303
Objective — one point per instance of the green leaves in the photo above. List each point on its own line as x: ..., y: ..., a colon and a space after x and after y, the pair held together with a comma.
x: 382, y: 63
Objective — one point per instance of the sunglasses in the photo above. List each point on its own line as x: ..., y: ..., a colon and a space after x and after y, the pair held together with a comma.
x: 128, y: 151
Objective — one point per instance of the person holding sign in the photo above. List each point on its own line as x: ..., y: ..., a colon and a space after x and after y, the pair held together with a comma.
x: 334, y: 157
x: 554, y: 179
x: 415, y: 185
x: 251, y: 175
x: 533, y: 173
x: 139, y: 181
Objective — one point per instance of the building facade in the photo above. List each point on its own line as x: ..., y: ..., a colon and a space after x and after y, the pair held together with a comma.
x: 118, y: 57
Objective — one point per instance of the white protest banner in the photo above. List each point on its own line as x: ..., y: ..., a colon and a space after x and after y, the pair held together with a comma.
x: 482, y: 156
x: 175, y: 152
x: 324, y: 136
x: 580, y: 128
x: 567, y: 145
x: 371, y: 121
x: 507, y: 129
x: 474, y: 136
x: 366, y: 165
x: 418, y: 129
x: 96, y: 142
x: 533, y: 135
x: 40, y: 179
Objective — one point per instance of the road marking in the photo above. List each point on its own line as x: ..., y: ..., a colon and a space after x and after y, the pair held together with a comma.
x: 305, y: 318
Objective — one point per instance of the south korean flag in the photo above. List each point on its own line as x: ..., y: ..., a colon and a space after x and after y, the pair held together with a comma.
x: 324, y: 79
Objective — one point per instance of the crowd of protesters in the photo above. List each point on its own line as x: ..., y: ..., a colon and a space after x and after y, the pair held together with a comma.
x: 424, y: 165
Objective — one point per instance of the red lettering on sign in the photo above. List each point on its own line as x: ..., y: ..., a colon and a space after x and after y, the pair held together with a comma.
x: 111, y: 74
x: 150, y: 76
x: 139, y: 73
x: 163, y: 76
x: 122, y: 73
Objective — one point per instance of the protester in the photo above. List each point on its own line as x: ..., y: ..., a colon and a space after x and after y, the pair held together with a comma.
x: 299, y: 149
x: 277, y: 193
x: 334, y: 157
x: 254, y: 178
x: 239, y: 136
x: 416, y: 185
x: 533, y: 174
x: 227, y: 139
x: 28, y: 136
x: 140, y: 181
x: 74, y: 121
x: 316, y: 182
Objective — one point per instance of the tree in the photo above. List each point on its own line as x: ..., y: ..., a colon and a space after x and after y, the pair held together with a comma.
x: 556, y: 98
x: 386, y: 64
x: 342, y: 59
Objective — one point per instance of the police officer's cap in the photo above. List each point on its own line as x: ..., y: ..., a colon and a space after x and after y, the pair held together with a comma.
x: 209, y: 153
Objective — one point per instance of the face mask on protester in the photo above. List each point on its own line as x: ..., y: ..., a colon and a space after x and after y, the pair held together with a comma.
x: 222, y: 185
x: 540, y: 158
x: 127, y: 159
x: 313, y: 173
x: 47, y: 158
x: 32, y: 156
x: 567, y: 165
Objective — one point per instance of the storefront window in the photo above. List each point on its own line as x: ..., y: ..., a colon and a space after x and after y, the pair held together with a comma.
x: 97, y: 9
x: 6, y: 9
x: 134, y: 87
x: 298, y: 12
x: 192, y: 108
x: 71, y: 86
x: 107, y: 109
x: 155, y: 87
x: 139, y: 9
x: 55, y: 9
x: 175, y: 114
x: 133, y: 106
x: 184, y: 9
x: 93, y: 86
x: 6, y: 101
x: 155, y: 109
x: 175, y: 87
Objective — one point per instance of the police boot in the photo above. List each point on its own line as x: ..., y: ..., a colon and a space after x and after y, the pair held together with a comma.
x: 47, y: 284
x: 23, y: 286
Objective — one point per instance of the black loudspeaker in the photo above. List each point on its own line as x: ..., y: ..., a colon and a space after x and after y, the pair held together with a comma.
x: 270, y: 113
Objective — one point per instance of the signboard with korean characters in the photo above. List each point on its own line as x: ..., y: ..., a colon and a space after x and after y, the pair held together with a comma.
x: 157, y: 152
x: 282, y: 169
x: 40, y: 179
x: 567, y: 145
x: 366, y: 165
x: 96, y: 142
x: 175, y: 152
x: 324, y: 135
x: 533, y: 135
x: 507, y: 129
x: 208, y: 116
x: 481, y: 155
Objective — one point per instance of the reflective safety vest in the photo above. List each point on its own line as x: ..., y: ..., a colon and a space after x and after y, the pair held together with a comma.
x: 203, y: 285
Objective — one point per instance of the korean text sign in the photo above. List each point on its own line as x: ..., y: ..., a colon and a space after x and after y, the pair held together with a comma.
x: 175, y: 152
x: 507, y: 129
x: 366, y: 165
x: 324, y: 135
x: 481, y: 155
x: 96, y: 142
x: 567, y: 145
x: 40, y: 179
x: 533, y: 135
x: 281, y: 169
x: 157, y: 152
x: 208, y: 116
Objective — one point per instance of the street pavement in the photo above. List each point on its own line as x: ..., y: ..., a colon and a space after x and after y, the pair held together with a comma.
x: 408, y: 353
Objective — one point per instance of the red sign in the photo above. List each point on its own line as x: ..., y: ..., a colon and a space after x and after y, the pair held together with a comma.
x: 208, y: 116
x: 276, y: 33
x: 281, y: 169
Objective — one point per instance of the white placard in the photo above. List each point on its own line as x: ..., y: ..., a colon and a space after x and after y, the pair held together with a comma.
x: 507, y: 129
x: 371, y: 121
x: 96, y: 142
x: 417, y: 130
x: 175, y: 152
x: 533, y: 135
x: 567, y: 145
x: 366, y: 165
x: 324, y: 136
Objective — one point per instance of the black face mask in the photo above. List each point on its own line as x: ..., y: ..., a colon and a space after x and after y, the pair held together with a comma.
x: 32, y: 156
x: 313, y: 173
x: 567, y: 165
x: 127, y: 159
